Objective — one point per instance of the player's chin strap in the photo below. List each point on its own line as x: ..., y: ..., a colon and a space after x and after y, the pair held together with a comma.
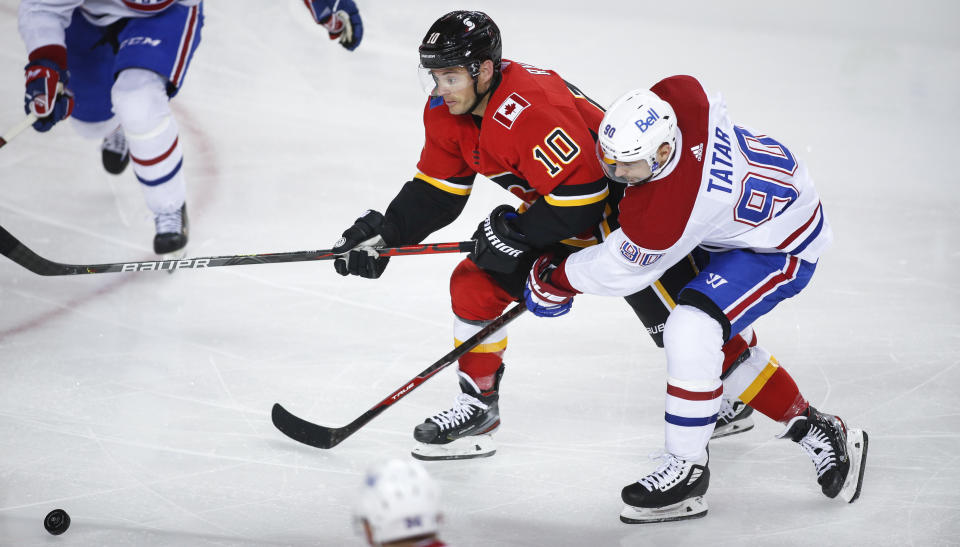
x: 658, y: 169
x: 497, y: 76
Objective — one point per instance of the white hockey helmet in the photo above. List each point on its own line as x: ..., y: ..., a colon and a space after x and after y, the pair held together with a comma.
x: 633, y: 129
x: 399, y: 500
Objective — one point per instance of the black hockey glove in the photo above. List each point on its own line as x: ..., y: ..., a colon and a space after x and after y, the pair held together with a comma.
x: 499, y: 244
x: 358, y: 244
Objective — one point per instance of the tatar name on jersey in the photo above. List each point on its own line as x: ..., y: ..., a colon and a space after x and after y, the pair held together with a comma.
x: 718, y: 199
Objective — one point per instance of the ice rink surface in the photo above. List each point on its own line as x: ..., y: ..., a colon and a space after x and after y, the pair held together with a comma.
x: 140, y: 402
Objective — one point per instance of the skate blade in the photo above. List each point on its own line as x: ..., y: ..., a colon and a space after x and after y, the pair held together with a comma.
x: 692, y: 508
x: 466, y: 448
x: 857, y: 441
x: 732, y: 429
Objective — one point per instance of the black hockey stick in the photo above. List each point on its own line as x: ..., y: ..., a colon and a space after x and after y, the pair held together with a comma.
x: 16, y: 251
x: 320, y: 436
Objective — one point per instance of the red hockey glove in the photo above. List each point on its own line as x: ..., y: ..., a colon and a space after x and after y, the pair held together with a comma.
x: 542, y: 297
x: 46, y: 93
x: 341, y: 18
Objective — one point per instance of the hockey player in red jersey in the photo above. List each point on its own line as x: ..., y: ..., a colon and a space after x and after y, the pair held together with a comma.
x: 747, y: 206
x: 531, y: 133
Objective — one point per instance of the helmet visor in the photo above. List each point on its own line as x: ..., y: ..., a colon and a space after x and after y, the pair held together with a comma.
x: 437, y: 81
x: 630, y: 172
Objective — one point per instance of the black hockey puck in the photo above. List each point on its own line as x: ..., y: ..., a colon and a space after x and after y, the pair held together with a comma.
x: 57, y: 522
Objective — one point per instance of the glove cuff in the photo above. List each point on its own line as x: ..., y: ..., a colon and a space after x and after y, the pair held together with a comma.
x: 54, y: 53
x: 558, y: 278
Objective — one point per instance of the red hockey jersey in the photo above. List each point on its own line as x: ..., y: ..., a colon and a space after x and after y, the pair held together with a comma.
x: 536, y: 140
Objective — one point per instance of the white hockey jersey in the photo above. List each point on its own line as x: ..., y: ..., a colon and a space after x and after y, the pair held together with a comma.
x: 42, y: 22
x: 728, y: 187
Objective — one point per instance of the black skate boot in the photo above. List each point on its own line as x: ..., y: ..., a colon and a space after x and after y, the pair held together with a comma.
x: 734, y: 418
x: 839, y: 455
x: 674, y: 491
x: 463, y: 431
x: 172, y: 231
x: 114, y: 152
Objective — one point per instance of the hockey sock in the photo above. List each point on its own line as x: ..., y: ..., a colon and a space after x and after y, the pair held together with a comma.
x: 140, y: 101
x: 766, y: 386
x: 477, y: 299
x: 482, y: 362
x: 692, y: 341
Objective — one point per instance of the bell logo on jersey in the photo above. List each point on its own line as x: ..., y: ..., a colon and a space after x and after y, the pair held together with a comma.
x: 645, y: 124
x: 510, y: 109
x: 633, y: 254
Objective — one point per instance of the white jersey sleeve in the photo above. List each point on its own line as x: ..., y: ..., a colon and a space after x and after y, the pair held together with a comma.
x: 619, y: 267
x: 42, y: 22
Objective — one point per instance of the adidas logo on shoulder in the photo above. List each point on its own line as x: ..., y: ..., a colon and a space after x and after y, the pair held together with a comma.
x: 697, y: 151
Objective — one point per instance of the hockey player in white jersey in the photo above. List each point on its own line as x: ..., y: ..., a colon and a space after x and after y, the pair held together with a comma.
x: 117, y: 63
x: 744, y: 204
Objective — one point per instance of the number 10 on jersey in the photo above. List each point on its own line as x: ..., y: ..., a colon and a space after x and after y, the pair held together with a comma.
x: 564, y: 149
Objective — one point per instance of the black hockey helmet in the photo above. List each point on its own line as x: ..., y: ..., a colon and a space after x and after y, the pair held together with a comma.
x: 462, y: 38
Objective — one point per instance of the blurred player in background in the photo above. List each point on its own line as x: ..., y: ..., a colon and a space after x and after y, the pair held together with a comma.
x: 748, y: 208
x: 341, y: 18
x: 531, y: 133
x: 399, y: 506
x: 114, y: 65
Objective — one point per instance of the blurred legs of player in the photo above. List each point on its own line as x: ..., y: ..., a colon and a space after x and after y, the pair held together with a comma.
x: 114, y: 152
x: 124, y: 76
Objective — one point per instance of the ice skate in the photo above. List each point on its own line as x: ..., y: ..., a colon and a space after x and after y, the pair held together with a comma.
x: 464, y: 431
x: 674, y: 491
x: 734, y: 418
x: 114, y: 152
x: 171, y: 238
x: 839, y: 455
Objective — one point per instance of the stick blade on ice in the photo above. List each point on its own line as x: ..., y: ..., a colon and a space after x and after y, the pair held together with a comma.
x: 303, y: 431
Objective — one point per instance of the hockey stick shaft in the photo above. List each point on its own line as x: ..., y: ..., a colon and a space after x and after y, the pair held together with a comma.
x: 26, y: 122
x: 16, y: 251
x: 324, y: 437
x: 17, y: 129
